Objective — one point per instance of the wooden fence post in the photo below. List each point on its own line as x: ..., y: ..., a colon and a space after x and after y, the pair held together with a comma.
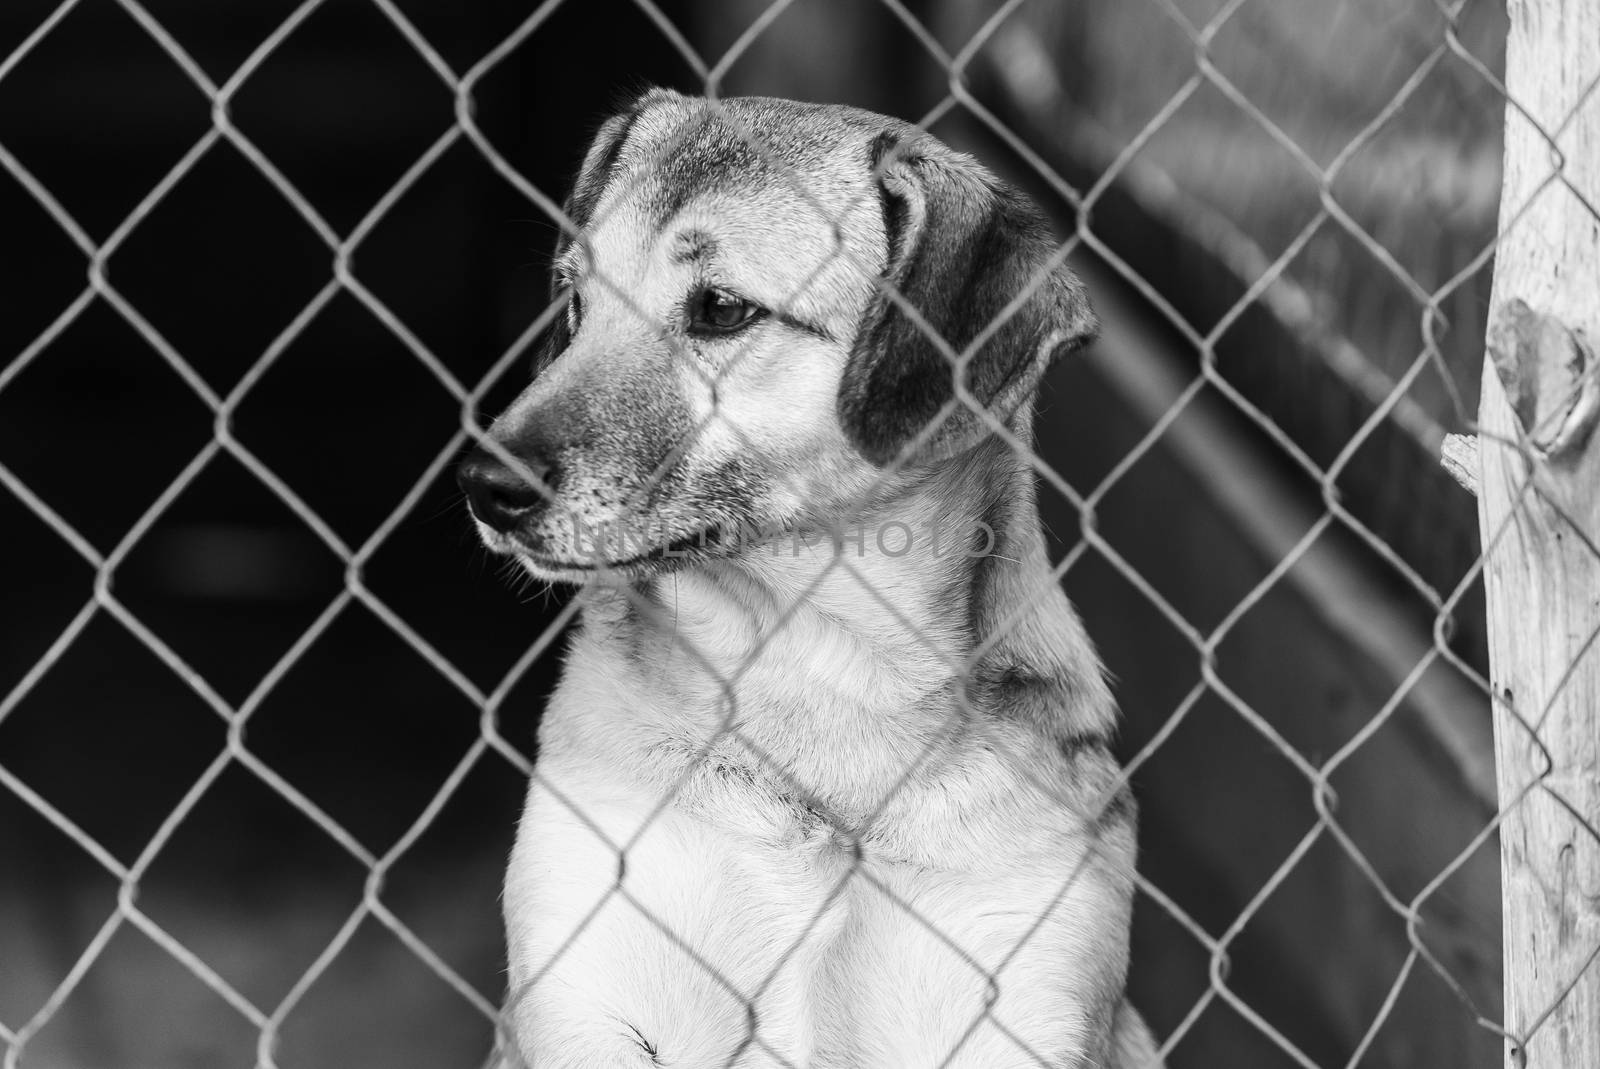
x: 1539, y: 511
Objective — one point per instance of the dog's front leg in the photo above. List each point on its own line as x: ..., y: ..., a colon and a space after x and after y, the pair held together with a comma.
x: 644, y: 938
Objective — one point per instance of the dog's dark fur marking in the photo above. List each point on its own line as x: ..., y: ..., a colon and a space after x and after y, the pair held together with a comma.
x: 960, y: 249
x: 597, y: 171
x: 720, y: 147
x: 706, y: 153
x: 693, y: 246
x: 993, y: 518
x: 893, y: 208
x: 557, y: 336
x: 594, y: 177
x: 645, y: 1045
x: 878, y: 149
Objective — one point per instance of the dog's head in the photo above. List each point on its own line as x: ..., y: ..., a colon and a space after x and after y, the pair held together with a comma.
x: 773, y: 311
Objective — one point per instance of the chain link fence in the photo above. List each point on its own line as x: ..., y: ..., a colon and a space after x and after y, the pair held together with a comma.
x: 1116, y: 159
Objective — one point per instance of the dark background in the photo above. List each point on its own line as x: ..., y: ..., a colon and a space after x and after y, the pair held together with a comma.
x: 99, y: 426
x: 362, y: 726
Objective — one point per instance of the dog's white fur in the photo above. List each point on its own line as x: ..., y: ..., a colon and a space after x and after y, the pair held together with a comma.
x: 901, y: 854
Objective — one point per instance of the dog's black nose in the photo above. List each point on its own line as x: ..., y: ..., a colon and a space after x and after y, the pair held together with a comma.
x: 500, y: 495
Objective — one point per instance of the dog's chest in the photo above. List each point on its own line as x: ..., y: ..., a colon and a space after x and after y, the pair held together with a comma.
x: 823, y: 780
x: 802, y: 711
x: 820, y: 825
x: 817, y: 927
x: 804, y: 734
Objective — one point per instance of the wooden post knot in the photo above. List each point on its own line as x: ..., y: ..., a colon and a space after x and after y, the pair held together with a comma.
x: 1551, y: 378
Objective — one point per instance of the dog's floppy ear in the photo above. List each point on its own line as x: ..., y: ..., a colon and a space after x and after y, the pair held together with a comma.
x: 972, y: 256
x: 598, y: 169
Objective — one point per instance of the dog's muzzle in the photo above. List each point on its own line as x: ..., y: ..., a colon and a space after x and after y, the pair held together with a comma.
x: 501, y: 496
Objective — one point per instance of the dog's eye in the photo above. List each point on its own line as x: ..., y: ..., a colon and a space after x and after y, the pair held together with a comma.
x: 714, y: 311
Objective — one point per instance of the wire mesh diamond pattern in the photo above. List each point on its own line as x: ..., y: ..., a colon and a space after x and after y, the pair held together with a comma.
x: 1013, y: 112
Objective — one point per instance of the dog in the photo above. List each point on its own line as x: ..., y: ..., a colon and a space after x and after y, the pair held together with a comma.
x: 827, y: 779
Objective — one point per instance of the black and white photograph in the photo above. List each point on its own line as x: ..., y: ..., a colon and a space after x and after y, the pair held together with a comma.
x: 799, y: 534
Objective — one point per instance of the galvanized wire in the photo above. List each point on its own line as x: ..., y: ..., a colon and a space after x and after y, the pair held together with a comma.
x: 100, y: 599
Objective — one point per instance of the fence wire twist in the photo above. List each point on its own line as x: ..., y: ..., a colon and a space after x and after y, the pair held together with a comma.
x: 490, y: 745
